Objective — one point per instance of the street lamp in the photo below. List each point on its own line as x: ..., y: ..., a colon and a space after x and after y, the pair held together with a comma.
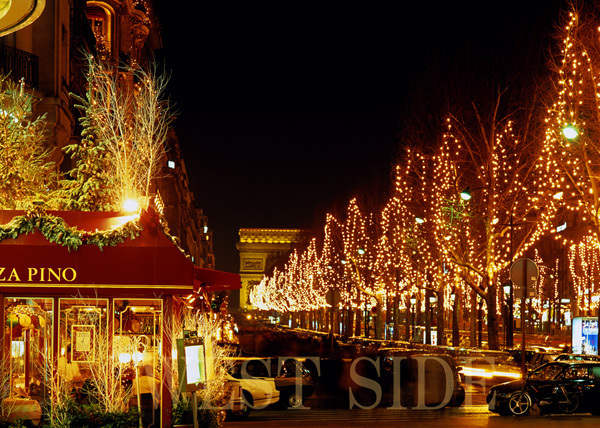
x: 466, y: 194
x: 570, y: 132
x: 508, y: 320
x: 455, y: 329
x: 432, y: 302
x: 413, y: 302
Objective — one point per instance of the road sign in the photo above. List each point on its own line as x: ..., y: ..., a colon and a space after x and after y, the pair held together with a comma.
x: 531, y: 293
x: 524, y: 273
x: 333, y: 297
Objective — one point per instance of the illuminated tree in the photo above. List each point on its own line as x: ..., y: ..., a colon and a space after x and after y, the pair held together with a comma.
x: 127, y: 115
x: 404, y: 256
x: 572, y: 147
x: 492, y: 151
x: 26, y: 172
x: 297, y: 287
x: 572, y: 144
x: 352, y: 247
x: 92, y: 186
x: 442, y: 227
x: 584, y: 267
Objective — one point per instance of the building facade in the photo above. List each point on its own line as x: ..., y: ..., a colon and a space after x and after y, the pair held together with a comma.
x: 261, y: 250
x: 44, y: 46
x: 56, y: 302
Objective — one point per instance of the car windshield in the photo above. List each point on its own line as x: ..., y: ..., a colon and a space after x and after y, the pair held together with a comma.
x: 292, y: 368
x: 250, y: 368
x: 547, y: 372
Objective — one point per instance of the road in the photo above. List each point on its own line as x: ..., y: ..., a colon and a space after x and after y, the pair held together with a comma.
x: 461, y: 417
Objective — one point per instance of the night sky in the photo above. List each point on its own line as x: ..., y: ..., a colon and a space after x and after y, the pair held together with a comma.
x: 286, y: 112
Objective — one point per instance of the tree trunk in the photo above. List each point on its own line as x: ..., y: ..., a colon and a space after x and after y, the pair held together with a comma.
x: 455, y: 327
x: 378, y: 324
x: 409, y: 322
x: 441, y: 337
x: 349, y: 322
x: 357, y: 331
x: 473, y: 316
x: 428, y: 317
x: 492, y: 317
x: 396, y: 318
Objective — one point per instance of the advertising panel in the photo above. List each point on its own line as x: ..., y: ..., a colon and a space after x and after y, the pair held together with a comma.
x: 585, y: 335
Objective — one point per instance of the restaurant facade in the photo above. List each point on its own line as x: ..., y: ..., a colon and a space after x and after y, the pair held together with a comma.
x: 89, y: 296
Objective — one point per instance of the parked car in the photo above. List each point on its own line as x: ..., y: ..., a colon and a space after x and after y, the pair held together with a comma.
x: 534, y: 357
x: 557, y: 386
x: 294, y: 383
x: 433, y: 383
x: 579, y: 357
x: 235, y: 406
x: 257, y: 391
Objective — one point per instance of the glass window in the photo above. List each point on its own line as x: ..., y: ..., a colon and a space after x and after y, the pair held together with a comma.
x: 83, y: 349
x: 547, y: 372
x: 28, y: 350
x: 137, y: 344
x: 100, y: 19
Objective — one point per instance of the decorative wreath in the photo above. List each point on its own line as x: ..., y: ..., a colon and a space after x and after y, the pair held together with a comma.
x: 56, y: 230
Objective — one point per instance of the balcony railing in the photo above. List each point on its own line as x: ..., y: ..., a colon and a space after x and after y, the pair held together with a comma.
x: 20, y: 64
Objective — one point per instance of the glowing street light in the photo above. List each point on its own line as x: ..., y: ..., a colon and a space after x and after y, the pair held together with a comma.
x: 570, y: 132
x: 466, y: 195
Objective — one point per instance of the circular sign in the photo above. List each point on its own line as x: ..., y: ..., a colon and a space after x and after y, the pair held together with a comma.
x: 333, y: 297
x: 524, y: 273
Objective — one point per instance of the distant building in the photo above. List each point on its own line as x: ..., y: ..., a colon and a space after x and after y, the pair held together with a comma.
x: 260, y: 251
x: 185, y: 219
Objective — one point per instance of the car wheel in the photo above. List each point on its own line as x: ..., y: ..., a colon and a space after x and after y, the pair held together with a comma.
x: 570, y: 407
x: 294, y: 400
x: 458, y: 398
x: 519, y: 403
x: 245, y: 410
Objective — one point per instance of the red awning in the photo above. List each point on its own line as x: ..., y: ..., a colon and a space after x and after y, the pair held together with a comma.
x: 148, y: 264
x: 215, y: 280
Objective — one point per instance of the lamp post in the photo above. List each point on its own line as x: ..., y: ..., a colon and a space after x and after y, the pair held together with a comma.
x: 480, y: 323
x: 455, y: 329
x: 413, y: 302
x: 508, y: 319
x: 432, y: 304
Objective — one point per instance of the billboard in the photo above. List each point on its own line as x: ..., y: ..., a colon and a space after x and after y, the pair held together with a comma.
x: 585, y: 335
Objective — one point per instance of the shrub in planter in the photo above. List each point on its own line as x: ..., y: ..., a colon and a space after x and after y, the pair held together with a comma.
x: 91, y: 416
x: 6, y: 423
x: 130, y: 419
x: 182, y: 415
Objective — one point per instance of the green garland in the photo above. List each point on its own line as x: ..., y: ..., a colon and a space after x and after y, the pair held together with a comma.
x: 56, y: 230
